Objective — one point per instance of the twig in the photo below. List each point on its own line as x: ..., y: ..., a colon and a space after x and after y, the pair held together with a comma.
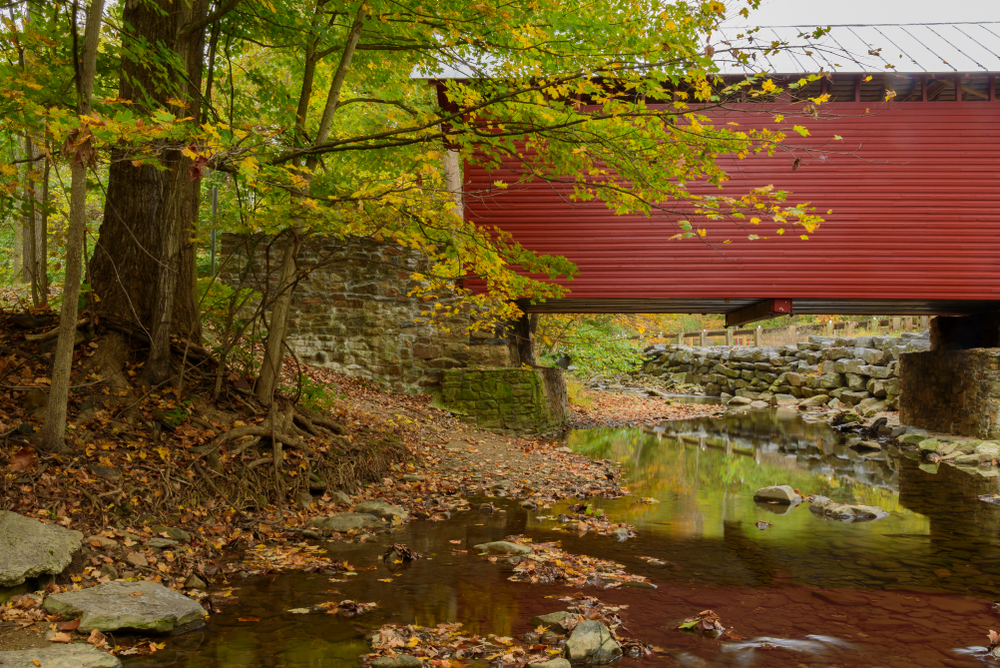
x: 51, y: 334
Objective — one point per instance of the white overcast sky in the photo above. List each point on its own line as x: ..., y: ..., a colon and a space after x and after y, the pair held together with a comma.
x: 834, y: 12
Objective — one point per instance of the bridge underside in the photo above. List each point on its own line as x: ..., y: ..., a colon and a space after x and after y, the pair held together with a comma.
x: 741, y: 311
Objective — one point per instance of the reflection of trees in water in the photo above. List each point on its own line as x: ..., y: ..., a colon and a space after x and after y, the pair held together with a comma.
x: 756, y: 450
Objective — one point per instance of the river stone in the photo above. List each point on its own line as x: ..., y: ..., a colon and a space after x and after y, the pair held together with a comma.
x: 60, y: 656
x: 845, y: 512
x: 347, y: 522
x: 503, y: 547
x: 175, y: 533
x: 102, y: 542
x: 553, y: 620
x: 739, y: 401
x: 382, y: 510
x: 815, y: 401
x: 923, y: 444
x: 162, y: 543
x: 30, y: 548
x: 143, y: 606
x: 988, y: 450
x: 340, y: 497
x: 554, y: 663
x: 591, y: 643
x: 398, y: 661
x: 782, y: 494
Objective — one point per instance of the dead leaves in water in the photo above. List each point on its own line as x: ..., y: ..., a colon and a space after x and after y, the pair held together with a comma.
x: 550, y: 564
x: 447, y: 646
x: 705, y: 623
x: 399, y: 553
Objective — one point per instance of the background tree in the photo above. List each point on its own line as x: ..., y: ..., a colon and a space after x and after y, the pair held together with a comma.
x: 81, y: 152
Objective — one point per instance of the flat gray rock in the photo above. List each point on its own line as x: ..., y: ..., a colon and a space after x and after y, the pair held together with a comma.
x: 846, y: 512
x: 347, y: 522
x: 31, y: 548
x: 382, y: 510
x: 398, y: 661
x: 143, y: 606
x: 503, y: 547
x: 60, y: 656
x: 591, y: 643
x: 553, y: 663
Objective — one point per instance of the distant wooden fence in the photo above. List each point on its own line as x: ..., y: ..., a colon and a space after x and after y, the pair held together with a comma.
x: 754, y: 337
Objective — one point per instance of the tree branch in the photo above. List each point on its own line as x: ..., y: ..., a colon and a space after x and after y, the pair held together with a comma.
x: 210, y: 19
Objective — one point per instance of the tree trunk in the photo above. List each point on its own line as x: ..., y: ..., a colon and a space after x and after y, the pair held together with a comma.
x: 270, y: 370
x: 54, y: 430
x: 33, y: 227
x: 143, y: 268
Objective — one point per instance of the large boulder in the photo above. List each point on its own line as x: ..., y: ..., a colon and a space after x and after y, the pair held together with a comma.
x: 846, y: 512
x: 382, y: 510
x: 504, y: 547
x: 140, y: 606
x: 347, y: 522
x: 782, y: 494
x: 591, y: 643
x: 59, y: 656
x: 29, y: 548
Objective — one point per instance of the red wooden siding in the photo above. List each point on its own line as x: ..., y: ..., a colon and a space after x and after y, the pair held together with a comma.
x: 915, y: 226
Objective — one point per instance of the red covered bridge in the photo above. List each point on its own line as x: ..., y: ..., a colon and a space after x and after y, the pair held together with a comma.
x: 914, y: 228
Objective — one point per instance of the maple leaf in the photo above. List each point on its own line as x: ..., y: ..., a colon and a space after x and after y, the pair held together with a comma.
x: 994, y: 638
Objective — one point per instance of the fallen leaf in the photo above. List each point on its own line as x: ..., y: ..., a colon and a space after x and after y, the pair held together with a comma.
x: 97, y: 639
x: 70, y: 626
x: 61, y: 637
x: 22, y: 459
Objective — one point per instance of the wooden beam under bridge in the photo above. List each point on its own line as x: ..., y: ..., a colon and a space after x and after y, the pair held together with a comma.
x: 762, y: 310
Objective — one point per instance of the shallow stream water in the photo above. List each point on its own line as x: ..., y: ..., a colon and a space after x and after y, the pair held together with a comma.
x: 916, y: 588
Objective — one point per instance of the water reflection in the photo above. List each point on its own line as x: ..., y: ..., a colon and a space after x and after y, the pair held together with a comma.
x: 912, y: 589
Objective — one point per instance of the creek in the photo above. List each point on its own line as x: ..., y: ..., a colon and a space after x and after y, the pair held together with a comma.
x: 916, y: 588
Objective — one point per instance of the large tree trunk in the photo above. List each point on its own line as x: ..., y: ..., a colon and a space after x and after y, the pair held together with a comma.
x: 143, y: 268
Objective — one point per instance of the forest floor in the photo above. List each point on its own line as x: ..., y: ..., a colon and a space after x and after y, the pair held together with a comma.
x: 139, y: 460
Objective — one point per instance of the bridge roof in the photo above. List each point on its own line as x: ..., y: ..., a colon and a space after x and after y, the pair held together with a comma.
x: 849, y: 48
x: 867, y: 48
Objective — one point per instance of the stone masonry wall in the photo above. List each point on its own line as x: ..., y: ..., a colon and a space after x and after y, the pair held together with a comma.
x: 953, y: 391
x: 860, y: 372
x: 352, y: 313
x: 506, y: 400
